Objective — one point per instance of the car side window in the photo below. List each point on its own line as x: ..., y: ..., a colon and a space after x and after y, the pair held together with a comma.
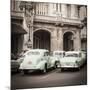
x: 80, y: 54
x: 83, y: 55
x: 46, y: 54
x: 63, y: 54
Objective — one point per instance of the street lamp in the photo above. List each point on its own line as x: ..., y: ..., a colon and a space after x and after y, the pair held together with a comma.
x: 29, y: 43
x: 28, y: 7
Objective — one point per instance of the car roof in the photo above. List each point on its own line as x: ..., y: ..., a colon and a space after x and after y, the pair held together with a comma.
x: 39, y: 50
x: 58, y: 51
x: 73, y: 52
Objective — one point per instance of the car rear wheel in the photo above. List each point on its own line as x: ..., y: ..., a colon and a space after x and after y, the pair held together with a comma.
x: 45, y: 68
x: 56, y: 65
x: 78, y: 68
x: 25, y: 71
x: 61, y: 69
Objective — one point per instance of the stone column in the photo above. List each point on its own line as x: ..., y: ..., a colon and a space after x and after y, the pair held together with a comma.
x: 45, y: 9
x: 77, y: 41
x: 50, y: 9
x: 64, y: 10
x: 73, y: 11
x: 60, y: 39
x: 76, y: 15
x: 58, y: 7
x: 54, y: 40
x: 41, y: 8
x: 37, y: 8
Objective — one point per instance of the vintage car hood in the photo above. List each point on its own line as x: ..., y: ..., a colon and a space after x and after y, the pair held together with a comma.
x: 52, y: 57
x: 69, y: 59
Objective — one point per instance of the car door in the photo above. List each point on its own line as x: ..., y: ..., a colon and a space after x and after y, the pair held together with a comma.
x: 47, y: 58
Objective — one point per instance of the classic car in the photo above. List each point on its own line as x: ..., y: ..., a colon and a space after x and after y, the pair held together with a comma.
x: 37, y: 59
x: 73, y: 59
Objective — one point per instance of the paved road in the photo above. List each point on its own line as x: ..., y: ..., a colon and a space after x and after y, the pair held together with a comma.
x: 53, y: 78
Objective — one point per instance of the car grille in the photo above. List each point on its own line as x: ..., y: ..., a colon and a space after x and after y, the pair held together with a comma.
x: 67, y: 64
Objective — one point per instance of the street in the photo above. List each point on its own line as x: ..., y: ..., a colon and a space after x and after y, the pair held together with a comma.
x: 53, y: 78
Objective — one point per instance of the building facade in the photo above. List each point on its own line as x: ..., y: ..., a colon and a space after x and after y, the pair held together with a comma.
x: 53, y: 26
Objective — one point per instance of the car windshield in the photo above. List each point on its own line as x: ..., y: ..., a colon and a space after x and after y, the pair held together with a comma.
x: 58, y: 53
x: 33, y: 53
x: 51, y: 53
x: 72, y: 55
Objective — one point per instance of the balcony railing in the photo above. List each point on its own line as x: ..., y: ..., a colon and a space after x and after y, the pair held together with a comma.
x: 17, y: 14
x: 54, y: 19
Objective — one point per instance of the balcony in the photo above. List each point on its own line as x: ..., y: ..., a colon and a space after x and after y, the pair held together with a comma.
x: 17, y: 14
x: 55, y: 19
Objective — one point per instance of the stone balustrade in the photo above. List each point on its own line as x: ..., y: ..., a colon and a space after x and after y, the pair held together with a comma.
x: 17, y: 14
x: 53, y: 19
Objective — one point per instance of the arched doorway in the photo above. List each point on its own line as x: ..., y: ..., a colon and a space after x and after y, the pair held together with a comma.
x: 41, y: 39
x: 68, y: 42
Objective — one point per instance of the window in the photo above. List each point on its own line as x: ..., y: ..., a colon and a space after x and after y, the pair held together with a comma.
x: 72, y: 55
x: 46, y: 53
x: 33, y: 53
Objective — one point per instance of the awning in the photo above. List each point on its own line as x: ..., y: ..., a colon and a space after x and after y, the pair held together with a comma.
x: 17, y: 29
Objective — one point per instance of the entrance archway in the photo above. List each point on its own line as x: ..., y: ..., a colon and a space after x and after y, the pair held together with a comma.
x: 68, y: 42
x: 41, y: 39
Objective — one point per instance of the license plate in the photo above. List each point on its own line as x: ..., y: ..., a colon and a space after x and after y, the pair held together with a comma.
x: 67, y: 64
x: 29, y: 62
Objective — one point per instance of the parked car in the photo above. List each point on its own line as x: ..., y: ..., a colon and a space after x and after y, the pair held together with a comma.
x: 14, y: 63
x: 73, y: 59
x: 37, y: 59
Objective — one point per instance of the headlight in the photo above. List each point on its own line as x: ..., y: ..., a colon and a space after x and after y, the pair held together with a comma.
x: 41, y: 59
x: 68, y: 63
x: 77, y: 63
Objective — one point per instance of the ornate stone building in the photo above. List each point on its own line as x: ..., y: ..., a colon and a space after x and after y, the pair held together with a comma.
x: 53, y: 26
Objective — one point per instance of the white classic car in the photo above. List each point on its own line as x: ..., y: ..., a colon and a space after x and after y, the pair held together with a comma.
x: 37, y: 59
x: 73, y: 59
